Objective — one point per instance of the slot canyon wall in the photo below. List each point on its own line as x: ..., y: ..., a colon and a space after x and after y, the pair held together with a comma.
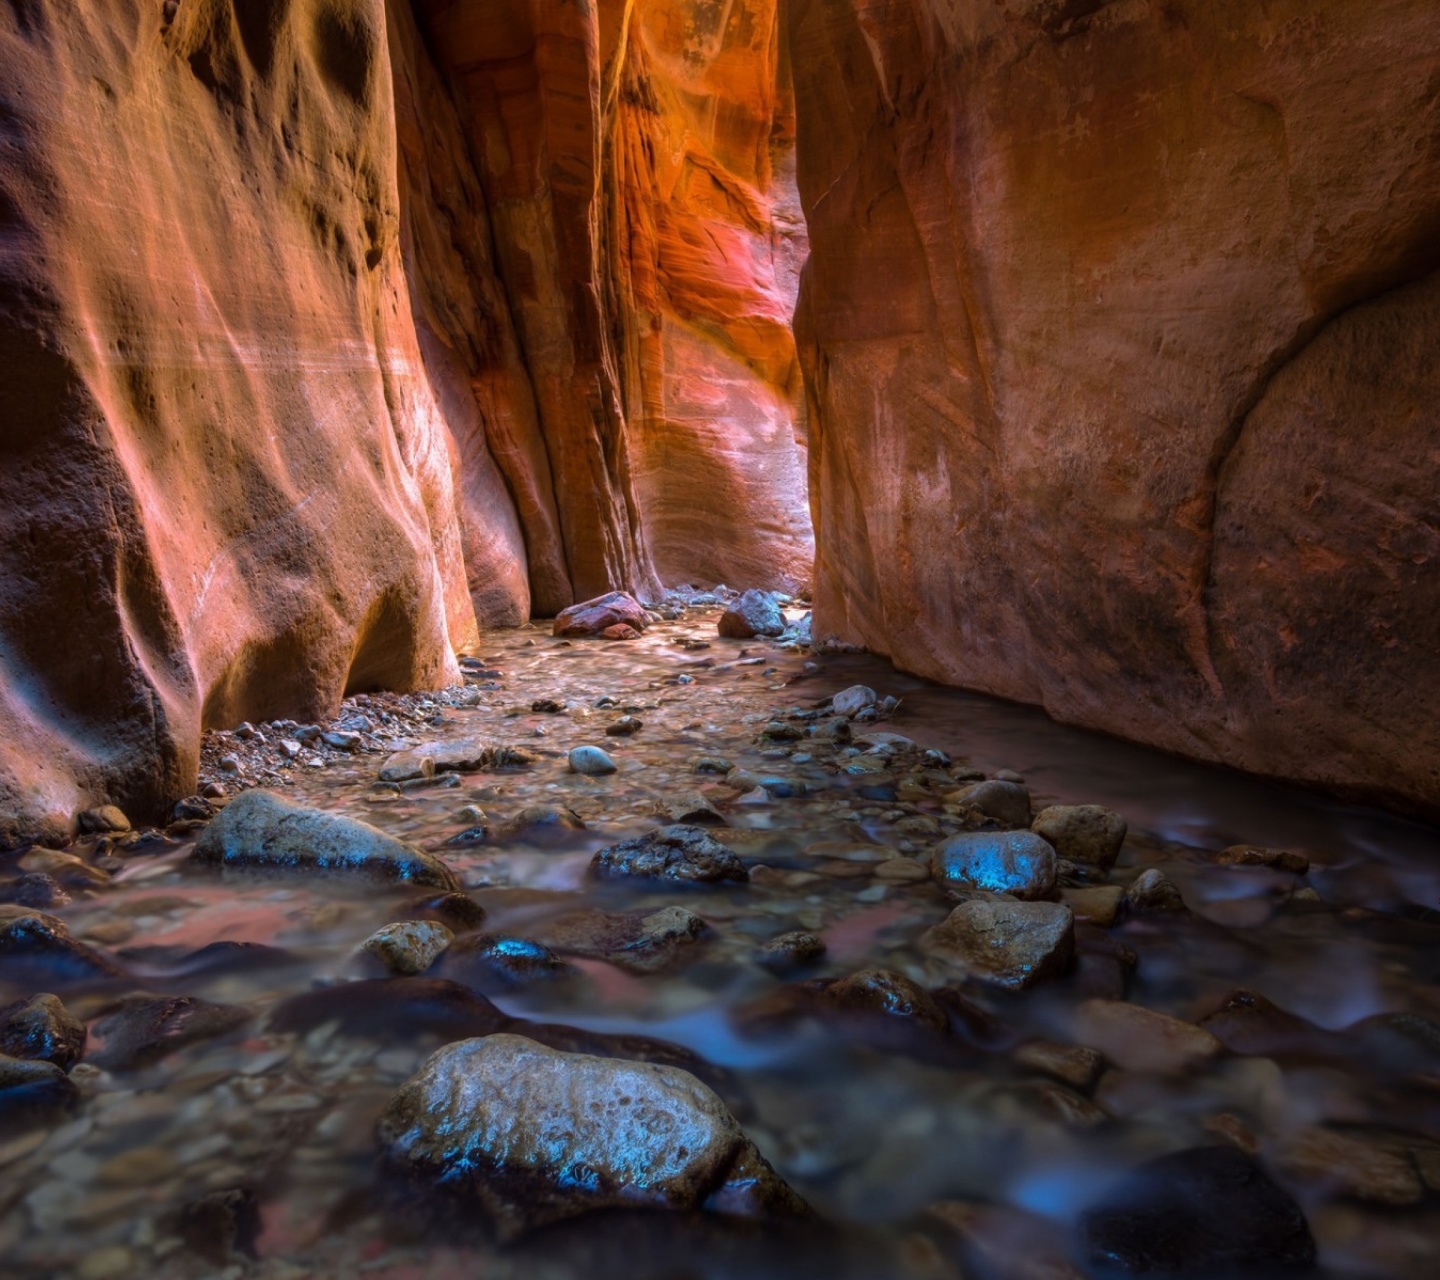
x: 331, y: 330
x: 1122, y: 335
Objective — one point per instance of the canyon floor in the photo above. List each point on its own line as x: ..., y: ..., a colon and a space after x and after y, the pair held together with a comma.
x: 1245, y: 1006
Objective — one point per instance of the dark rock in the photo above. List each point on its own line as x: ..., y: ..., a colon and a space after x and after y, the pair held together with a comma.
x: 711, y: 764
x: 684, y: 854
x: 1007, y: 802
x: 1083, y: 833
x: 261, y: 832
x: 624, y: 727
x: 392, y: 1009
x: 222, y: 1225
x: 533, y: 1136
x: 498, y: 962
x: 779, y: 731
x: 1010, y: 944
x: 32, y: 1092
x: 792, y: 950
x: 470, y: 836
x: 35, y: 889
x: 1251, y: 855
x: 193, y: 809
x: 691, y: 808
x: 462, y: 914
x: 756, y: 613
x: 593, y: 617
x: 142, y: 1030
x: 641, y: 941
x: 37, y: 950
x: 1197, y: 1212
x: 214, y: 958
x: 881, y: 992
x: 1014, y: 862
x: 102, y: 820
x: 42, y: 1028
x: 1248, y: 1023
x: 547, y: 707
x: 541, y: 821
x: 1152, y: 891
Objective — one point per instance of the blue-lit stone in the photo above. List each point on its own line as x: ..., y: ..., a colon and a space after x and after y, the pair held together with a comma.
x: 43, y: 1029
x: 1015, y: 862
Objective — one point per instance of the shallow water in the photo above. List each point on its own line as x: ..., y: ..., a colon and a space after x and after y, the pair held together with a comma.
x: 871, y: 1129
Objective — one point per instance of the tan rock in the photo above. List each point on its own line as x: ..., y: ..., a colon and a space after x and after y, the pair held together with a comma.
x: 1140, y: 1039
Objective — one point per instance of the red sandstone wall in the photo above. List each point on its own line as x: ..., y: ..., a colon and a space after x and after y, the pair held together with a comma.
x: 1120, y: 338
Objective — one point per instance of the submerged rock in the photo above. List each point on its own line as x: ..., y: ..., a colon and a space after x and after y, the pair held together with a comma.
x: 1198, y: 1212
x: 594, y: 617
x: 678, y: 853
x: 1082, y: 833
x: 409, y: 946
x: 36, y: 949
x: 1253, y: 855
x: 534, y: 1136
x: 1151, y: 890
x: 32, y: 1091
x: 1011, y: 944
x: 641, y: 941
x: 1141, y: 1039
x: 541, y: 821
x: 792, y: 950
x: 259, y: 831
x: 887, y: 994
x: 1007, y: 802
x: 756, y: 613
x: 144, y: 1029
x: 498, y: 962
x: 1015, y: 862
x: 42, y: 1028
x: 35, y: 889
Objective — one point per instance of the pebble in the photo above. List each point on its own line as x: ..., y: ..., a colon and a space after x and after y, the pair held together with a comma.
x: 624, y: 727
x: 1140, y: 1039
x: 1152, y: 891
x: 409, y: 946
x: 591, y: 761
x: 792, y: 950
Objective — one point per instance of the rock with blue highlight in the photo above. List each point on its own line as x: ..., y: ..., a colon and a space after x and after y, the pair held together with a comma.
x: 1014, y: 862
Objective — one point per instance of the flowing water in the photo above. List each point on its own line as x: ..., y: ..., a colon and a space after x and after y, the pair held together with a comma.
x: 872, y: 1128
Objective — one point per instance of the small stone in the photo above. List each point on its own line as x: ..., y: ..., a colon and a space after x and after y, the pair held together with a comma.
x: 892, y: 995
x: 222, y: 1224
x: 231, y: 764
x: 18, y: 1073
x: 461, y: 914
x: 592, y: 761
x: 542, y: 821
x: 258, y: 831
x: 624, y: 727
x: 852, y: 701
x: 497, y: 962
x: 65, y: 867
x: 35, y: 889
x: 406, y: 766
x: 1010, y: 944
x: 676, y: 853
x: 547, y: 706
x: 792, y: 950
x: 1141, y: 1039
x: 289, y: 748
x: 107, y: 818
x: 640, y: 941
x: 693, y: 809
x: 214, y: 791
x: 1097, y: 904
x: 343, y: 740
x: 1201, y: 1211
x: 1014, y: 862
x: 469, y: 815
x: 755, y: 613
x: 409, y: 946
x: 42, y: 1028
x: 1152, y: 891
x: 1071, y: 1063
x: 779, y: 731
x: 37, y: 949
x: 534, y: 1136
x: 1007, y: 802
x: 1082, y: 833
x: 1008, y: 775
x: 903, y: 871
x: 1251, y: 855
x: 1349, y: 1166
x: 141, y: 1030
x: 711, y: 764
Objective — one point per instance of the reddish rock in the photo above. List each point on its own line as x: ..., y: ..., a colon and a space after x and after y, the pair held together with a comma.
x: 618, y: 610
x: 1122, y: 346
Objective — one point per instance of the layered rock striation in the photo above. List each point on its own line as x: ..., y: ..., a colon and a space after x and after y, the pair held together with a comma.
x: 1121, y: 348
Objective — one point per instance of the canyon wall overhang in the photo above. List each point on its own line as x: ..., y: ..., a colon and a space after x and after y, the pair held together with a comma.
x: 1122, y: 343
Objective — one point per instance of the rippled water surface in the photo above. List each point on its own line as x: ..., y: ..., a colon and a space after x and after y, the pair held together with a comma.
x: 872, y: 1125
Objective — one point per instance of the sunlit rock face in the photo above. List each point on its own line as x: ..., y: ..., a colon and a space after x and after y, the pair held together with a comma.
x: 1120, y: 337
x: 228, y: 491
x: 636, y: 158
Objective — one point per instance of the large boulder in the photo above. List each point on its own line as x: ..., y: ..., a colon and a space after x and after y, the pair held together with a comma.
x: 258, y: 831
x: 592, y: 617
x: 533, y: 1136
x: 755, y: 613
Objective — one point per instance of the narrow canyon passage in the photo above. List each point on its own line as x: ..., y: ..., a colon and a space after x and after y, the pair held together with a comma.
x: 720, y: 637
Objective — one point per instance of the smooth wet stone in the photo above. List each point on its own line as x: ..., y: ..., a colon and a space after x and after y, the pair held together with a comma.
x: 1083, y: 833
x: 641, y: 941
x: 258, y: 831
x: 792, y: 950
x: 102, y: 820
x: 1014, y: 862
x: 460, y: 913
x: 406, y: 766
x: 451, y: 755
x: 711, y: 764
x: 21, y: 1072
x: 1071, y: 1063
x: 142, y: 1030
x: 408, y: 947
x: 1205, y: 1211
x: 42, y: 1028
x: 1010, y: 944
x: 691, y: 808
x: 35, y: 889
x: 594, y: 617
x: 889, y: 994
x: 71, y: 871
x: 995, y: 1241
x: 1152, y: 890
x: 1141, y: 1039
x: 592, y: 761
x: 1246, y: 1022
x: 1338, y: 1164
x: 223, y: 1225
x: 37, y: 949
x: 541, y: 821
x: 1252, y: 855
x: 1006, y: 802
x: 500, y: 962
x: 755, y: 613
x: 624, y: 727
x: 684, y: 854
x: 533, y: 1136
x: 902, y: 871
x: 852, y: 701
x: 1097, y: 904
x: 392, y: 1010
